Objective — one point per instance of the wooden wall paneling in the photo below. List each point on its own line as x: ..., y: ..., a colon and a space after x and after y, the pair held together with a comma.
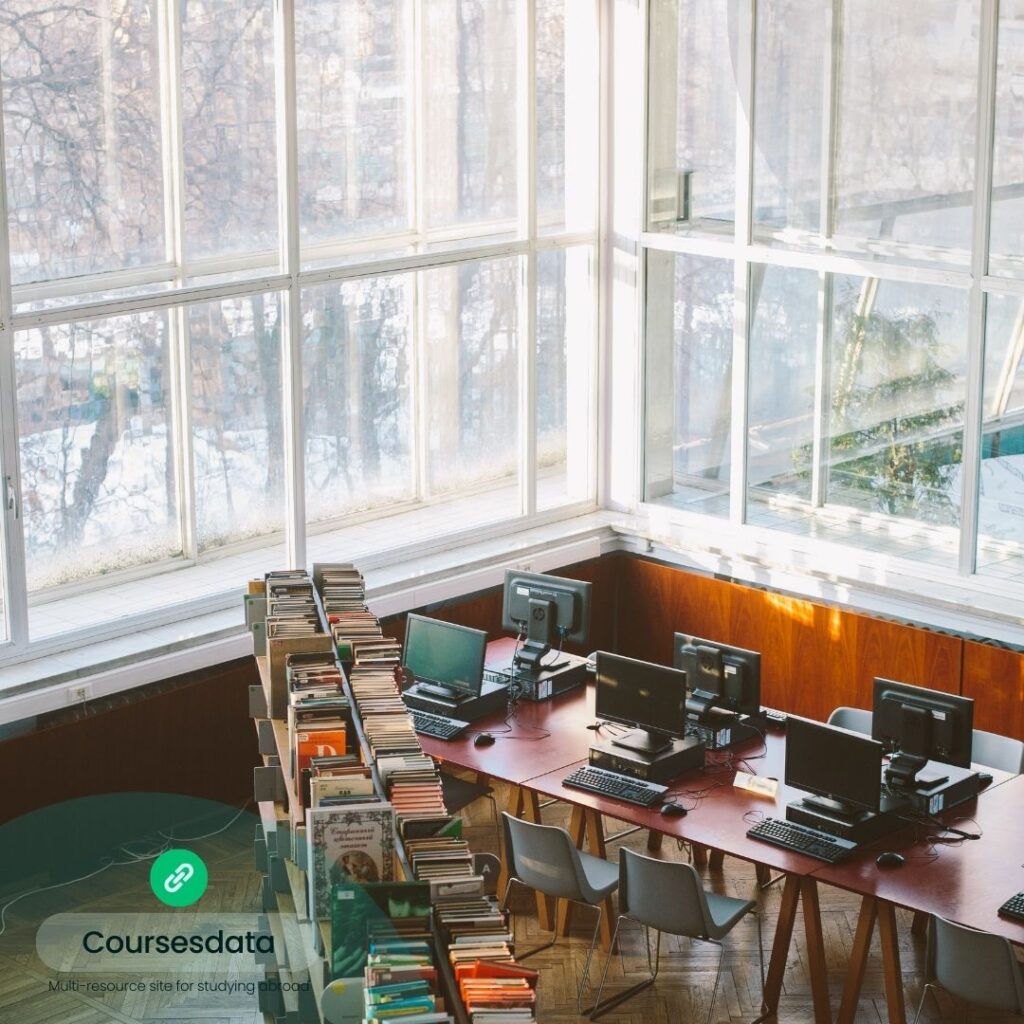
x: 814, y: 657
x: 994, y: 677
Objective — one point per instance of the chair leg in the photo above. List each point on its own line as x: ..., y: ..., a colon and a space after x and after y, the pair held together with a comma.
x: 718, y: 978
x: 760, y: 950
x: 586, y: 964
x: 512, y: 926
x: 924, y: 995
x: 598, y: 1008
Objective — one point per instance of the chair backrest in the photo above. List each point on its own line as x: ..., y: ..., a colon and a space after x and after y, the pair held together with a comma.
x: 975, y: 966
x: 854, y: 719
x: 666, y: 895
x: 544, y: 858
x: 995, y: 751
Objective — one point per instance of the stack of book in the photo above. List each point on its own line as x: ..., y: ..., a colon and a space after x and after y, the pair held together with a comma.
x: 474, y: 928
x: 497, y: 992
x: 335, y: 781
x: 291, y: 607
x: 350, y: 627
x: 342, y: 588
x: 446, y: 862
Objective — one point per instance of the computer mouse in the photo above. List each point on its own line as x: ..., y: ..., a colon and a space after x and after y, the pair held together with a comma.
x: 673, y: 810
x: 485, y: 739
x: 889, y: 859
x: 984, y: 778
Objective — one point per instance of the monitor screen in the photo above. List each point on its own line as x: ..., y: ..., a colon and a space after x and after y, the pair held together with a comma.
x: 443, y: 653
x: 732, y: 674
x: 833, y: 763
x: 640, y: 693
x: 927, y: 723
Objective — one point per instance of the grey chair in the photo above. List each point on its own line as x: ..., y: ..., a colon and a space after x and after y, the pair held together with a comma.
x: 977, y: 967
x: 995, y: 751
x: 854, y: 719
x: 668, y: 896
x: 544, y: 858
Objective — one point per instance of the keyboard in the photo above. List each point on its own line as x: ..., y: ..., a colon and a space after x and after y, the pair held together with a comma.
x: 437, y: 725
x: 1014, y: 907
x: 621, y: 787
x: 801, y: 839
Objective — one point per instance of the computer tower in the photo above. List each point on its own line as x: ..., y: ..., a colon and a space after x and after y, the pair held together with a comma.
x: 492, y: 700
x: 541, y: 685
x: 683, y: 756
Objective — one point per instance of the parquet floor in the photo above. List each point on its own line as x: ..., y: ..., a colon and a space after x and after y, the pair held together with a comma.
x: 681, y: 993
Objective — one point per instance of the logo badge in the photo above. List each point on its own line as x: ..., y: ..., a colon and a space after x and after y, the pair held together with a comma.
x: 178, y: 878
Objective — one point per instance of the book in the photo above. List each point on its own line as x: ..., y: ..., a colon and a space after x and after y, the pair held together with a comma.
x: 350, y: 843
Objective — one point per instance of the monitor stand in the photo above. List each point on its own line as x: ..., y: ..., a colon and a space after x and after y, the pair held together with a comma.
x: 644, y: 741
x: 443, y: 692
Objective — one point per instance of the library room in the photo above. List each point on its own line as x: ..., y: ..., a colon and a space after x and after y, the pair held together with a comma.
x: 512, y: 511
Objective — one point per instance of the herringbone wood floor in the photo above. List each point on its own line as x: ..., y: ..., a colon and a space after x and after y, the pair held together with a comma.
x: 681, y: 993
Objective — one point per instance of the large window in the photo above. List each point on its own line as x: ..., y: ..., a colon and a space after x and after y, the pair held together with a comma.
x: 273, y: 269
x: 834, y: 196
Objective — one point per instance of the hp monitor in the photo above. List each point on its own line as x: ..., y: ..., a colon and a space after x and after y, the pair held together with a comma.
x: 445, y: 659
x: 544, y: 608
x: 720, y: 676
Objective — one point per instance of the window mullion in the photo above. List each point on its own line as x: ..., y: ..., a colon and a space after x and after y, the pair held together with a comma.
x: 291, y: 311
x: 415, y: 168
x: 15, y: 589
x: 981, y: 223
x: 174, y: 218
x: 526, y: 130
x: 741, y: 307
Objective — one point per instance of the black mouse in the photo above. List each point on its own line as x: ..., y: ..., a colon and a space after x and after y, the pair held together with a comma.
x: 984, y: 778
x: 485, y: 739
x: 673, y: 810
x: 889, y: 859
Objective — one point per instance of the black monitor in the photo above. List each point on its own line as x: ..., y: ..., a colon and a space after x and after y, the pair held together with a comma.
x: 842, y: 769
x: 720, y: 676
x: 650, y: 697
x: 445, y: 659
x: 921, y: 725
x: 544, y: 608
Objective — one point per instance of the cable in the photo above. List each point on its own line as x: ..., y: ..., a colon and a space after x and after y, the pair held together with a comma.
x: 208, y: 835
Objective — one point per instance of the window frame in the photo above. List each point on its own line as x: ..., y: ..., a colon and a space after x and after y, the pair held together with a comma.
x: 175, y: 284
x: 749, y: 246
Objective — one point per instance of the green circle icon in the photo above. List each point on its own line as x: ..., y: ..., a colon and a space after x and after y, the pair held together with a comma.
x: 178, y: 878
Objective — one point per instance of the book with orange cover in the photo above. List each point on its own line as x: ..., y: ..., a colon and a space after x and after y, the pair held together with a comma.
x: 319, y: 743
x: 495, y: 969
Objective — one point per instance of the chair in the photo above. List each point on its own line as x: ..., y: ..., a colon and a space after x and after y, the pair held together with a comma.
x: 543, y: 857
x: 668, y: 896
x: 995, y: 751
x: 975, y: 966
x: 854, y: 719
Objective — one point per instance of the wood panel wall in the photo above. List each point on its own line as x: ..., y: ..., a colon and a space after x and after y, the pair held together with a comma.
x: 813, y: 657
x: 994, y: 677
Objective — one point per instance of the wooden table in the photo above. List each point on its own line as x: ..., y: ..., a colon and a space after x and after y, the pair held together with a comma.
x: 965, y: 883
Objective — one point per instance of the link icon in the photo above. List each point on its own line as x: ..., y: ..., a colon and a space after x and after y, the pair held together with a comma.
x: 178, y: 878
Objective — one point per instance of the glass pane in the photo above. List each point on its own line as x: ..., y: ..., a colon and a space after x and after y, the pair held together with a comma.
x: 82, y: 124
x: 1007, y: 237
x: 907, y: 123
x: 352, y: 62
x: 783, y: 331
x: 692, y: 115
x: 471, y: 353
x: 565, y: 354
x: 469, y: 54
x: 566, y: 117
x: 356, y: 368
x: 790, y: 78
x: 898, y: 358
x: 237, y: 441
x: 1001, y: 489
x: 98, y: 472
x: 689, y: 381
x: 228, y: 115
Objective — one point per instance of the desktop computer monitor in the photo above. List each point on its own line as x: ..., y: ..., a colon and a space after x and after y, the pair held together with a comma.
x: 544, y: 608
x: 720, y: 676
x: 921, y: 725
x: 842, y: 769
x: 446, y: 660
x: 650, y: 698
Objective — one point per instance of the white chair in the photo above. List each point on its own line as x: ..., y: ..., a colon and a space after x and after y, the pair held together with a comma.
x: 668, y: 896
x: 974, y: 966
x: 854, y: 719
x: 544, y: 858
x: 995, y: 751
